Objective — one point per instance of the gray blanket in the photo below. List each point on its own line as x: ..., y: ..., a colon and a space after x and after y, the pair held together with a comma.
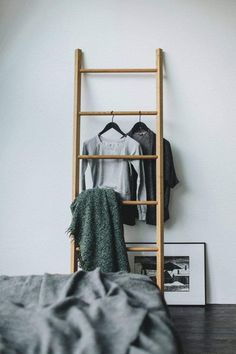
x: 84, y: 313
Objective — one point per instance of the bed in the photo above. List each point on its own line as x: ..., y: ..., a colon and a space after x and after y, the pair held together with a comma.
x: 84, y: 313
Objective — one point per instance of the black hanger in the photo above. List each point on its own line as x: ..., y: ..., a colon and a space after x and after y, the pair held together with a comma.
x: 112, y: 125
x: 139, y: 126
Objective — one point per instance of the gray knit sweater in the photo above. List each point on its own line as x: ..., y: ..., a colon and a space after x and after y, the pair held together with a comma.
x: 98, y: 230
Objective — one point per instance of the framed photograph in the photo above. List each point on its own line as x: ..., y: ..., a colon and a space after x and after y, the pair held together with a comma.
x: 184, y: 271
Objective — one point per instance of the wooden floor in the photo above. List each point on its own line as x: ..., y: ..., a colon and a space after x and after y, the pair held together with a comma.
x: 209, y: 329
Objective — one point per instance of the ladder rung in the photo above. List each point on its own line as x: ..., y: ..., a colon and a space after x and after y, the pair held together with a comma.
x: 119, y: 113
x: 142, y: 249
x: 125, y: 157
x: 139, y: 202
x: 100, y: 71
x: 137, y: 249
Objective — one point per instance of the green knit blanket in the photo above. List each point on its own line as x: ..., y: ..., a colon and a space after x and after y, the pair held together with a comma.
x: 98, y: 230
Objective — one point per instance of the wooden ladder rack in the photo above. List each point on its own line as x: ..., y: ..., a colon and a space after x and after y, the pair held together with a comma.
x: 159, y: 202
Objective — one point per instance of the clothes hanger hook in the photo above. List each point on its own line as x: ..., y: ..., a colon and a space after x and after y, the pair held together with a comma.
x: 112, y: 119
x: 139, y: 116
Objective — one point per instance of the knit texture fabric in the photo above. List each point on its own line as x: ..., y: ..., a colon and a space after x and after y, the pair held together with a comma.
x: 98, y: 230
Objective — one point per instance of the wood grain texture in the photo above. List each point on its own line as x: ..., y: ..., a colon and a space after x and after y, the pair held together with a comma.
x: 209, y: 329
x: 113, y: 71
x: 119, y: 157
x: 76, y: 143
x: 159, y: 172
x: 117, y: 113
x: 140, y: 202
x: 142, y: 249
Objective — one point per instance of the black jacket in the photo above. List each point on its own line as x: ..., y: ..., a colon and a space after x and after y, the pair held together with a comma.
x: 147, y: 140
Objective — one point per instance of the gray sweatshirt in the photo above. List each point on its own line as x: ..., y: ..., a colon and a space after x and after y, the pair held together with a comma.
x: 115, y: 173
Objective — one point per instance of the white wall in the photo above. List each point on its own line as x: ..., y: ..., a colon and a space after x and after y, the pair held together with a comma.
x: 37, y: 42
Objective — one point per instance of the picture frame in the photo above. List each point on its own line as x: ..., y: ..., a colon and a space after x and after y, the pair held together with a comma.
x: 184, y: 270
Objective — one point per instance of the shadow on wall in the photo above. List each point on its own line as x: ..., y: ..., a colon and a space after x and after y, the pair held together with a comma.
x: 175, y: 206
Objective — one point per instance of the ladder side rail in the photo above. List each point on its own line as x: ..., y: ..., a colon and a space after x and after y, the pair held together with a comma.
x: 159, y: 172
x: 76, y: 144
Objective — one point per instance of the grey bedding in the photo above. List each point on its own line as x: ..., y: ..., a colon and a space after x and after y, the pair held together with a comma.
x: 84, y: 313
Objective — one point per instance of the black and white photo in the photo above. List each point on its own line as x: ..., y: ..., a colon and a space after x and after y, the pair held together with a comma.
x: 184, y: 271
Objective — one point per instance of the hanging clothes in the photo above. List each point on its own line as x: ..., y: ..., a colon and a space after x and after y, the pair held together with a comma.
x: 147, y: 141
x: 98, y: 230
x: 115, y: 173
